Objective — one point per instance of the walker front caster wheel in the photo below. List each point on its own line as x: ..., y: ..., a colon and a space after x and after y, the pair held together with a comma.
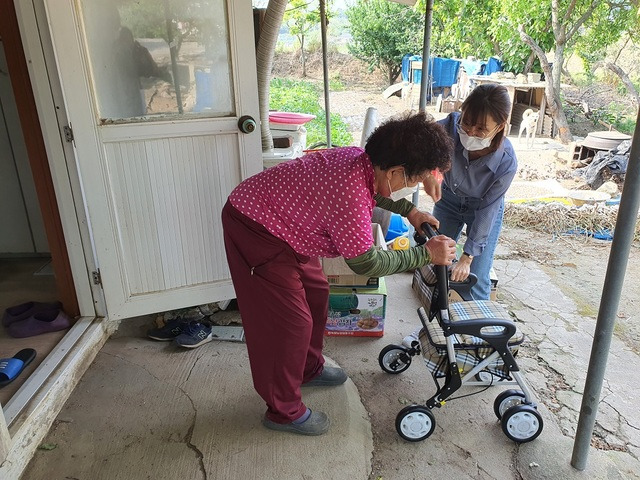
x: 506, y: 400
x: 487, y: 376
x: 394, y: 359
x: 415, y: 423
x: 522, y: 423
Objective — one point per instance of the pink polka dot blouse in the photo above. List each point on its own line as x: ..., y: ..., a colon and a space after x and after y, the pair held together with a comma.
x: 320, y: 203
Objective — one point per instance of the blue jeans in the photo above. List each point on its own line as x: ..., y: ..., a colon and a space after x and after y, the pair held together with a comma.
x: 453, y: 212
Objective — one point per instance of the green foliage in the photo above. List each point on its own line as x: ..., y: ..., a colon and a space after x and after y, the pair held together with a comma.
x: 572, y: 112
x: 460, y: 29
x: 535, y: 16
x: 302, y: 16
x: 190, y: 21
x: 303, y: 97
x: 145, y: 18
x: 485, y: 28
x: 336, y: 84
x: 626, y: 125
x: 382, y: 32
x: 606, y: 26
x: 615, y: 115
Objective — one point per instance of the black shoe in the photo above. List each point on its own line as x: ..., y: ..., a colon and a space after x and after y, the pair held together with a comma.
x: 171, y: 330
x: 194, y: 335
x: 329, y: 377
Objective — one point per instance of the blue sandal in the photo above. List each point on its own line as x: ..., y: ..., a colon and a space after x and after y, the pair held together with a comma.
x: 10, y: 368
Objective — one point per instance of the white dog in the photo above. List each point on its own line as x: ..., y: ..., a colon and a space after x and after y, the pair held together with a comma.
x: 530, y: 125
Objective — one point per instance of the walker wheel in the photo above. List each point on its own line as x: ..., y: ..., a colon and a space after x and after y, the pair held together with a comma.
x: 394, y: 359
x: 484, y: 376
x: 506, y: 400
x: 522, y: 423
x: 415, y: 423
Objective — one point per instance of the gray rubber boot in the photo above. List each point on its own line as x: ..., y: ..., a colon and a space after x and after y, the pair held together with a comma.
x: 317, y: 424
x: 329, y: 377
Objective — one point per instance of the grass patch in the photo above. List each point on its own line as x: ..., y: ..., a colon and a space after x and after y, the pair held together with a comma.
x: 298, y: 96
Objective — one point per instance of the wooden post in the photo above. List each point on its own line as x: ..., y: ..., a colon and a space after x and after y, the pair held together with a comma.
x: 512, y: 96
x: 543, y: 107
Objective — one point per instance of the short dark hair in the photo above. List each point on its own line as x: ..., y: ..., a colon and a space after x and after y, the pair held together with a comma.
x: 413, y: 141
x: 488, y: 99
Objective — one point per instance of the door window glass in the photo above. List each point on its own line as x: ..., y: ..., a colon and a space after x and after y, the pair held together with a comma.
x: 156, y: 58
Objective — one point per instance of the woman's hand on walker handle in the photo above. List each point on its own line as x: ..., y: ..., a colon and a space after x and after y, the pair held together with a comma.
x: 417, y: 218
x: 442, y: 250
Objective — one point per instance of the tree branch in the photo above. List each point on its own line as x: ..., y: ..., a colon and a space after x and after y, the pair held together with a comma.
x: 615, y: 60
x: 544, y: 62
x: 567, y: 15
x: 583, y: 18
x: 554, y: 18
x: 625, y: 79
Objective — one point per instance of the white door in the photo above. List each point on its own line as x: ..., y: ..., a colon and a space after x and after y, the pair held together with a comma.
x: 154, y: 91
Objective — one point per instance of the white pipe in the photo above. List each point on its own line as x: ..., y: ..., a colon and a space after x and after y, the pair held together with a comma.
x: 370, y: 124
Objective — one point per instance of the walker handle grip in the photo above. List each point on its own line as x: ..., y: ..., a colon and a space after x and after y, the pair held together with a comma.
x: 429, y: 230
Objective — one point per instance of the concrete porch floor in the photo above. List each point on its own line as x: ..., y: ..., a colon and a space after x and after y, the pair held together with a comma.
x: 146, y: 410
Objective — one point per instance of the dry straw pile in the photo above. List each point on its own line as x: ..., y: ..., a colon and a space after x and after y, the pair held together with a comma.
x: 560, y: 219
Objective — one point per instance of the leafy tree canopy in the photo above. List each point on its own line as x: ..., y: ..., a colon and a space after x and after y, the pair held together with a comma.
x: 302, y: 16
x: 383, y: 32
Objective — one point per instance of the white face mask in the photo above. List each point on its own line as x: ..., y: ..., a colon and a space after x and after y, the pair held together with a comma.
x: 473, y: 144
x: 403, y: 192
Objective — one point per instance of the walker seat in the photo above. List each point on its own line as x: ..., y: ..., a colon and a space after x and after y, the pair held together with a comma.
x: 470, y: 350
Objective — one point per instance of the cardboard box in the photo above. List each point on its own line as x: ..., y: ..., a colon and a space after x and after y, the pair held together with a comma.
x: 338, y: 272
x: 450, y: 105
x: 357, y: 312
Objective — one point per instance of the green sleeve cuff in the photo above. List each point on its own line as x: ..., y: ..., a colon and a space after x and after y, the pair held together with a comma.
x: 379, y: 263
x: 401, y: 207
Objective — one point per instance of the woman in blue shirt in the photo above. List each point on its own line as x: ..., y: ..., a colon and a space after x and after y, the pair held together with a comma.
x: 472, y: 192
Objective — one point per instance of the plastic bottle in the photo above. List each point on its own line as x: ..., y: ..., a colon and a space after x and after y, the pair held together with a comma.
x: 400, y: 243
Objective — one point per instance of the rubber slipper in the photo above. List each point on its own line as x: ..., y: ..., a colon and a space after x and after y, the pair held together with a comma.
x: 39, y: 323
x: 10, y: 368
x: 25, y: 310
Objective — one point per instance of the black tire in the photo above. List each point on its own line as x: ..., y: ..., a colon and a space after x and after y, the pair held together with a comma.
x: 415, y: 423
x: 506, y: 400
x: 522, y: 423
x: 394, y: 359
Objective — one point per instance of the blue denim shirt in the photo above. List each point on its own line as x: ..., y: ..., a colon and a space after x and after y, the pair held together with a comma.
x: 485, y: 179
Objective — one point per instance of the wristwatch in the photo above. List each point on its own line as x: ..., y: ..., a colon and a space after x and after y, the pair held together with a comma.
x: 467, y: 255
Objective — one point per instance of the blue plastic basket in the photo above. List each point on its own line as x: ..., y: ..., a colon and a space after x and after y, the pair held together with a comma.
x: 397, y: 227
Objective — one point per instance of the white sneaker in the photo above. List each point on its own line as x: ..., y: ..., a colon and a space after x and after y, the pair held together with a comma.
x: 413, y: 337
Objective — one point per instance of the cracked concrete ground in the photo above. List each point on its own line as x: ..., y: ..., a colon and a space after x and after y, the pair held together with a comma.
x: 147, y: 410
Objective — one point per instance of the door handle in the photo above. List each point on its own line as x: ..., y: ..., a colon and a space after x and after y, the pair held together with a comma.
x: 247, y: 124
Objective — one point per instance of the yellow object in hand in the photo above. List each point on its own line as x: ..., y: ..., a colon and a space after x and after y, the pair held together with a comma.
x: 400, y: 243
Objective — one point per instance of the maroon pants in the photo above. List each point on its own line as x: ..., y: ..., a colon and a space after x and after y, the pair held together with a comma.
x: 283, y: 299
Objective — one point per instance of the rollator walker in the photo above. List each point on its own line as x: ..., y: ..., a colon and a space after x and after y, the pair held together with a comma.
x: 470, y: 342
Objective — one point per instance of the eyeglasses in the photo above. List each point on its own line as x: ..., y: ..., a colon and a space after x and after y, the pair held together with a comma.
x: 481, y: 132
x: 411, y: 181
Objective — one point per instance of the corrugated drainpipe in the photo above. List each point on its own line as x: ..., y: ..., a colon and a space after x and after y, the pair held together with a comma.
x: 325, y: 70
x: 264, y: 63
